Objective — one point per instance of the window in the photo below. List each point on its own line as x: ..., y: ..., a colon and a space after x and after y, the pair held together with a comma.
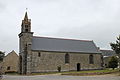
x: 91, y: 60
x: 102, y: 62
x: 39, y: 54
x: 67, y: 59
x: 8, y: 68
x: 26, y: 28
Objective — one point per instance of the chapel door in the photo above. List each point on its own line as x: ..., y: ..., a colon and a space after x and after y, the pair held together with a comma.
x: 78, y: 66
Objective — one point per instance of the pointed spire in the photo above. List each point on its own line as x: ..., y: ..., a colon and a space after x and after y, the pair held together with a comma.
x: 26, y: 16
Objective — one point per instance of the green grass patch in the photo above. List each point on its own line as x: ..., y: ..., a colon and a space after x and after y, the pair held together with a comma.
x: 79, y: 72
x: 91, y: 72
x: 11, y: 73
x: 94, y: 71
x: 44, y: 73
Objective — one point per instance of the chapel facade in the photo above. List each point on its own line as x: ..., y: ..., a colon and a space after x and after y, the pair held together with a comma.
x: 44, y: 54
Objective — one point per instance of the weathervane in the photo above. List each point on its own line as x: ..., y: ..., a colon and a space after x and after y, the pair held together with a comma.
x: 26, y: 9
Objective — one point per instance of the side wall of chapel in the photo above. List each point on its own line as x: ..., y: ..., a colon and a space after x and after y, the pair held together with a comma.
x: 50, y: 61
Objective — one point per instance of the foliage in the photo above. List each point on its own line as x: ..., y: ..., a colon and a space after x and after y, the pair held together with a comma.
x: 113, y: 63
x: 59, y: 68
x: 2, y: 54
x: 116, y: 46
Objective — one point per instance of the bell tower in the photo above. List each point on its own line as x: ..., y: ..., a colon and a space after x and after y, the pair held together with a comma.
x: 25, y: 42
x: 26, y: 24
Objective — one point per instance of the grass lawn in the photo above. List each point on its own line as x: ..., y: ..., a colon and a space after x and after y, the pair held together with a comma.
x: 78, y: 73
x: 94, y: 72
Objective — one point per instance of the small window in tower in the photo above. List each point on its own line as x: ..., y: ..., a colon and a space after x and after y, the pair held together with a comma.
x: 26, y: 26
x: 26, y: 30
x: 39, y: 54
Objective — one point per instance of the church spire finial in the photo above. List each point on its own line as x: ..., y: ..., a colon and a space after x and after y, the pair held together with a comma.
x: 26, y: 16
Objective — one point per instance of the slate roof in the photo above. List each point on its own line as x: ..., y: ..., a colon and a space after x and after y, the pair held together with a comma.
x: 63, y: 45
x: 108, y: 53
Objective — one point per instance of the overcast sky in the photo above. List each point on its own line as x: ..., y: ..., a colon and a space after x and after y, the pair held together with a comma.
x: 97, y: 20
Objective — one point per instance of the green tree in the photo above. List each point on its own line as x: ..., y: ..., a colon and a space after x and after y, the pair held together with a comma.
x: 113, y: 63
x: 116, y: 47
x: 2, y: 54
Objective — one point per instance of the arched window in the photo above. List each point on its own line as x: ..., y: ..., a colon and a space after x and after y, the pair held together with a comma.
x: 102, y: 62
x: 39, y: 54
x: 91, y: 59
x: 67, y: 58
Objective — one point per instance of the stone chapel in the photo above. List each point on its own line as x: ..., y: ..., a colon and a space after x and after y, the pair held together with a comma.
x: 46, y: 54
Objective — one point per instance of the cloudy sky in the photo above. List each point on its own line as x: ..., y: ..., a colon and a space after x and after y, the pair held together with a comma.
x: 97, y: 20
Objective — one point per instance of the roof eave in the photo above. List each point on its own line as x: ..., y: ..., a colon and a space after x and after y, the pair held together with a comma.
x: 69, y: 52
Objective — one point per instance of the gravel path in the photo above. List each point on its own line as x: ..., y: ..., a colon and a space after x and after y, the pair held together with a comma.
x: 60, y: 77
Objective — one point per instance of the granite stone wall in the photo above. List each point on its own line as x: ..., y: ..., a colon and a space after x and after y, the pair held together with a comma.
x: 50, y: 61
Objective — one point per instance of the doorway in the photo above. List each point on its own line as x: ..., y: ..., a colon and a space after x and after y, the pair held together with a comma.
x: 78, y: 66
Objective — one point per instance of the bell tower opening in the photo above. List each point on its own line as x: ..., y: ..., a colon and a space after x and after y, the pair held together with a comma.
x: 26, y: 28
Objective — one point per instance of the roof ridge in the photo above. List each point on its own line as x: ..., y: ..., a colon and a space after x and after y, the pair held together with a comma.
x: 11, y: 53
x: 62, y: 38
